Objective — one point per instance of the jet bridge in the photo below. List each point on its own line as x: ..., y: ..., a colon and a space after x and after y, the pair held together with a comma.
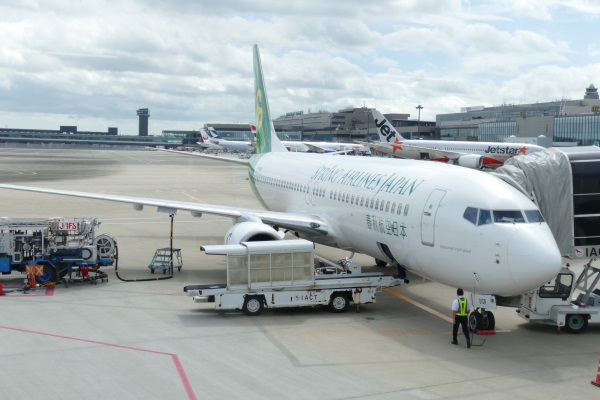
x: 565, y: 184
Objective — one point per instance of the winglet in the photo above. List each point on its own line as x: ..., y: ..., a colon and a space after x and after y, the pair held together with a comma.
x: 266, y: 139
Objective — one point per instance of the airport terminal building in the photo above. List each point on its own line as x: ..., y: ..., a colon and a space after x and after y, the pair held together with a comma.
x: 558, y: 123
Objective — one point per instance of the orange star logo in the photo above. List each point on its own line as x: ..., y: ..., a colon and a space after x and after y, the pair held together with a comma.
x: 523, y: 150
x: 397, y: 145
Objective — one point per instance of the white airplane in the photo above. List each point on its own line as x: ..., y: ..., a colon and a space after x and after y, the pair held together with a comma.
x: 320, y: 147
x: 466, y: 154
x: 206, y: 143
x: 229, y: 145
x: 456, y: 226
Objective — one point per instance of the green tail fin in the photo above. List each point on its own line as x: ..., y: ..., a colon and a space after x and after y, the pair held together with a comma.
x: 266, y: 139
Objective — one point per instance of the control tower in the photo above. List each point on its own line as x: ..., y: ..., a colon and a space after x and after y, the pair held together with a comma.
x: 143, y: 115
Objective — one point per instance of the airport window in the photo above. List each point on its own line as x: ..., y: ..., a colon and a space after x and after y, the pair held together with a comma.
x: 399, y: 208
x: 485, y: 217
x: 534, y: 216
x: 508, y: 216
x: 406, y: 210
x: 470, y: 215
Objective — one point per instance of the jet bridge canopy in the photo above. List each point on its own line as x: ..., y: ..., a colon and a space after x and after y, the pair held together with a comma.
x: 565, y: 184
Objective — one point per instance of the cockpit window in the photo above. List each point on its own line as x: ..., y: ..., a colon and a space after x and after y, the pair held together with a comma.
x: 471, y: 215
x: 508, y: 216
x: 485, y: 217
x: 534, y: 216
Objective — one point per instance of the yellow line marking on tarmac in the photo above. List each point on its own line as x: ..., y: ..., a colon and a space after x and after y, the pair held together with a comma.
x: 421, y: 306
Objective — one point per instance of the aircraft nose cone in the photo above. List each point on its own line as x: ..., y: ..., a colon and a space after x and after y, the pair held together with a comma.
x: 533, y: 258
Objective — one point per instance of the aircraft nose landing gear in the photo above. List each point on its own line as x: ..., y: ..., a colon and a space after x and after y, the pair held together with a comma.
x: 482, y: 320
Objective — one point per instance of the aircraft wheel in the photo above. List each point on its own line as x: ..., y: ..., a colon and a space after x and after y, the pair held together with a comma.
x: 339, y: 302
x: 489, y: 322
x: 475, y: 321
x: 380, y: 263
x: 253, y: 305
x: 576, y: 323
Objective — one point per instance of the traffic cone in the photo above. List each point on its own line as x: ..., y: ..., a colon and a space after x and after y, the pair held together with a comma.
x: 597, y: 382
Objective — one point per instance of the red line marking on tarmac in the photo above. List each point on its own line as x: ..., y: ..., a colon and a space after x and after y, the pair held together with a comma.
x: 182, y: 375
x: 421, y: 306
x: 49, y: 291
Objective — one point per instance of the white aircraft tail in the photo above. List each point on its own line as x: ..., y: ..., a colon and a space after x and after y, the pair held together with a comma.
x: 387, y: 132
x: 212, y: 133
x: 266, y: 139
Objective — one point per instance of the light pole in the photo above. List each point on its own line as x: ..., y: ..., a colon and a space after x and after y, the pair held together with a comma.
x: 368, y: 113
x: 419, y: 107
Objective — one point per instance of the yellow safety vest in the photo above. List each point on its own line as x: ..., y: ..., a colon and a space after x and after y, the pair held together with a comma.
x: 462, y: 307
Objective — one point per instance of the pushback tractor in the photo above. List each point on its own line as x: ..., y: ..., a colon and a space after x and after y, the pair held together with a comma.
x: 282, y: 273
x: 54, y: 245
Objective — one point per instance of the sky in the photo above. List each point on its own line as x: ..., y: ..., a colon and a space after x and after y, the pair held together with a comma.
x: 94, y: 63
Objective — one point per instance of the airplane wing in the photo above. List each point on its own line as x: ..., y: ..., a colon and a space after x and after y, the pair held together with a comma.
x: 390, y: 148
x: 227, y: 158
x: 315, y: 149
x: 308, y: 224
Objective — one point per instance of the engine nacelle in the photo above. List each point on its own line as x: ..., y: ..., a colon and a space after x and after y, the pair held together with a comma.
x: 470, y: 161
x: 251, y: 232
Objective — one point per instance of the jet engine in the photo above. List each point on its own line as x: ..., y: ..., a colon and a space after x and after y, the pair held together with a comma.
x: 470, y: 161
x: 251, y: 231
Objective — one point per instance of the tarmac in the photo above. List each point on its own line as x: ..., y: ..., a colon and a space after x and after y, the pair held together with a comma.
x: 134, y: 340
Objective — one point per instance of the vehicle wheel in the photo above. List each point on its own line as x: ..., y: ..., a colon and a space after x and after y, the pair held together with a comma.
x: 380, y: 263
x: 253, y: 305
x: 48, y: 276
x: 151, y: 270
x: 576, y: 323
x: 475, y: 321
x: 489, y: 322
x: 339, y: 302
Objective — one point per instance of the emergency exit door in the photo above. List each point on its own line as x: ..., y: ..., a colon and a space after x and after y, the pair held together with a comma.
x: 428, y: 217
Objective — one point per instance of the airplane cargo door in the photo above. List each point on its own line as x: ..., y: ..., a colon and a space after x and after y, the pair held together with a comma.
x: 428, y: 217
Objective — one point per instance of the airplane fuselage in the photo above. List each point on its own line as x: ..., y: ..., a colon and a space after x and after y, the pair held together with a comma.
x: 413, y: 212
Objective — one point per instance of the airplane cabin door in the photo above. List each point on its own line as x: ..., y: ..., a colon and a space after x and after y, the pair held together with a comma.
x: 428, y: 217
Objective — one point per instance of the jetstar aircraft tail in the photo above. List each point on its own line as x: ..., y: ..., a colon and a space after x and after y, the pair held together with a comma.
x: 266, y: 139
x: 386, y: 130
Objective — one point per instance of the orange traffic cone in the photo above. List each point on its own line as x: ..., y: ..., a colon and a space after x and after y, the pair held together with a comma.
x: 597, y: 382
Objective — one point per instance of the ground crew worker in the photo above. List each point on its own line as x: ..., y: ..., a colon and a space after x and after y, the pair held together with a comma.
x: 460, y: 312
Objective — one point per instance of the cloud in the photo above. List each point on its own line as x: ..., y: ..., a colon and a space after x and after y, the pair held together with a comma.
x: 190, y: 62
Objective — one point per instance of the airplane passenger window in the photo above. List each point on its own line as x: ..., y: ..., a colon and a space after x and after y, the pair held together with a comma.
x: 399, y: 208
x: 406, y: 210
x: 352, y: 200
x: 533, y: 216
x: 387, y: 206
x: 508, y: 216
x: 362, y: 200
x: 377, y: 204
x: 470, y: 215
x: 347, y: 197
x: 485, y: 217
x: 372, y: 202
x: 393, y: 208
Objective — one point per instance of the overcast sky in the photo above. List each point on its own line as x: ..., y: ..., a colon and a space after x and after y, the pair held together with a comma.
x: 94, y: 63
